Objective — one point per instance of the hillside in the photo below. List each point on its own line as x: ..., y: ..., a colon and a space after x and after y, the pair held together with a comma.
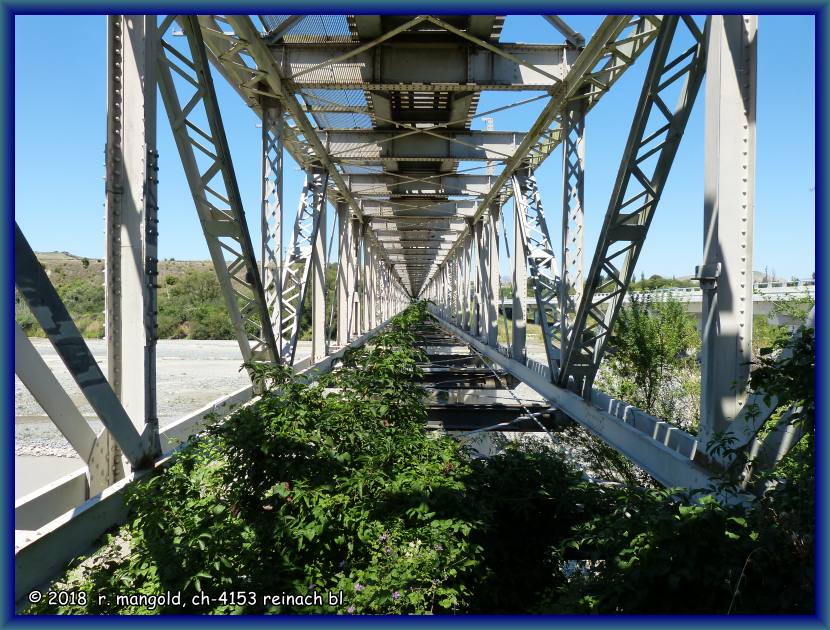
x: 190, y: 303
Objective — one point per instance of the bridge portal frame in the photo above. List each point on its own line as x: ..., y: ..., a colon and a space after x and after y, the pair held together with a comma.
x: 460, y: 272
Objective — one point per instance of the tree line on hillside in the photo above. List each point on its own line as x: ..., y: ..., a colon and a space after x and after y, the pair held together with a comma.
x: 190, y: 306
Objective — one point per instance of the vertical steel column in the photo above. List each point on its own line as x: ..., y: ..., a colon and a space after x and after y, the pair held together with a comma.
x: 131, y: 228
x: 493, y: 285
x: 458, y: 269
x: 363, y: 298
x: 371, y: 286
x: 519, y: 289
x: 465, y: 271
x: 343, y: 274
x: 319, y: 338
x: 297, y: 267
x: 478, y: 315
x: 728, y: 217
x: 537, y: 248
x: 445, y: 292
x: 353, y: 281
x: 272, y: 208
x: 573, y: 204
x: 378, y: 294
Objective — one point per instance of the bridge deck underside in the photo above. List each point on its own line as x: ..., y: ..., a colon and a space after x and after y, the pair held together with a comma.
x: 393, y: 98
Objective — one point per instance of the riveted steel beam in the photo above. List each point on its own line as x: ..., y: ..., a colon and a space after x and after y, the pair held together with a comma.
x: 439, y: 67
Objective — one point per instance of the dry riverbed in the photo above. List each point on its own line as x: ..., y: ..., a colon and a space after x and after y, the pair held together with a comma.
x: 191, y: 373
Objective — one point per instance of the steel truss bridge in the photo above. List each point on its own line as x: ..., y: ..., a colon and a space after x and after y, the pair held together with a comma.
x: 377, y: 111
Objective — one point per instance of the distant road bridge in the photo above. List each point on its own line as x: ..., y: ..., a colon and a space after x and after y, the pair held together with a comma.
x: 765, y: 296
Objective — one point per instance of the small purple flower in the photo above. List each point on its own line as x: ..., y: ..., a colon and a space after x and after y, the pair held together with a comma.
x: 384, y: 537
x: 395, y: 595
x: 439, y: 547
x: 350, y: 609
x: 341, y: 564
x: 387, y: 549
x: 358, y: 586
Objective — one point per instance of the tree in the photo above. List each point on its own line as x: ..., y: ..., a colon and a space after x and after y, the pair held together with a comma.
x: 650, y: 347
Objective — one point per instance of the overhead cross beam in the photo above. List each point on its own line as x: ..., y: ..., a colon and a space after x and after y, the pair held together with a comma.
x: 407, y: 67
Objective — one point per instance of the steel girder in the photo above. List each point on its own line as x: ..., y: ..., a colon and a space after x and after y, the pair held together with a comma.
x: 407, y: 67
x: 537, y: 248
x: 397, y: 184
x: 728, y: 225
x: 131, y: 220
x: 634, y: 199
x: 209, y: 172
x: 233, y: 51
x: 573, y: 211
x: 298, y: 262
x: 362, y: 146
x: 614, y: 47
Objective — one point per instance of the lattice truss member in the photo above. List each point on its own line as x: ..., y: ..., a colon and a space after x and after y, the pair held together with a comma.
x: 652, y: 144
x: 190, y: 100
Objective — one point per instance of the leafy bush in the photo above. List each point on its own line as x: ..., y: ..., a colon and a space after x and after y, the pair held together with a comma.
x: 334, y: 486
x: 651, y: 342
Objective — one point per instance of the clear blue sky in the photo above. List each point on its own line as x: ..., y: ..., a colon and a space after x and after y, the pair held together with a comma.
x: 60, y: 105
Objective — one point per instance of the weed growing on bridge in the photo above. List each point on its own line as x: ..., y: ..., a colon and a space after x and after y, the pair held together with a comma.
x: 333, y: 486
x: 653, y: 347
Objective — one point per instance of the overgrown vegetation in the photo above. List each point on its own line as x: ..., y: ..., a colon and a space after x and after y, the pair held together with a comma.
x: 652, y: 360
x: 333, y: 486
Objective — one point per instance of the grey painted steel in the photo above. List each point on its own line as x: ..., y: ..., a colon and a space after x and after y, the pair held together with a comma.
x: 571, y: 36
x: 131, y: 219
x: 360, y: 146
x: 615, y: 46
x: 447, y: 67
x: 427, y: 184
x: 48, y: 502
x: 537, y: 248
x: 343, y: 274
x: 728, y: 218
x: 272, y: 209
x: 298, y: 262
x: 214, y: 188
x: 668, y: 466
x: 41, y: 382
x: 266, y: 79
x: 644, y: 168
x: 573, y: 214
x: 50, y: 312
x: 519, y: 279
x: 489, y: 265
x: 319, y: 336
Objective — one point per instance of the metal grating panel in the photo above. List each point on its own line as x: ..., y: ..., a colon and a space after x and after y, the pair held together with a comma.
x: 312, y: 28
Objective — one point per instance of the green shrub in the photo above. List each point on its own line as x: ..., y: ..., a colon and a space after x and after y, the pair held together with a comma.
x: 333, y: 486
